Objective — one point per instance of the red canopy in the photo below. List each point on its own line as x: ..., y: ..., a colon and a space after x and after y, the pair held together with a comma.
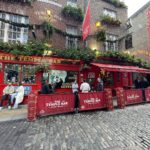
x: 118, y: 68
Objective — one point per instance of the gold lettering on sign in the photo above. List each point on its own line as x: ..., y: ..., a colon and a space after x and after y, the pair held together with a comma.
x: 35, y: 59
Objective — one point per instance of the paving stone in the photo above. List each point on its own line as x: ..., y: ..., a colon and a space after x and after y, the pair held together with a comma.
x: 125, y: 129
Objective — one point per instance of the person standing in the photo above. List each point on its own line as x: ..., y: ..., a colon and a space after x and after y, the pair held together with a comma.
x: 8, y: 90
x: 85, y: 87
x: 100, y: 84
x: 143, y: 84
x: 76, y: 98
x: 137, y: 83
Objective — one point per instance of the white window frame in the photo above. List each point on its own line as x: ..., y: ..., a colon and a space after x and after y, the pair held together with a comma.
x: 111, y: 39
x: 111, y: 13
x: 73, y: 30
x: 7, y: 30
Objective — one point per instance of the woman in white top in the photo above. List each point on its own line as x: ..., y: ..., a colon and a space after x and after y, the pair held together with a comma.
x: 19, y: 95
x: 85, y: 87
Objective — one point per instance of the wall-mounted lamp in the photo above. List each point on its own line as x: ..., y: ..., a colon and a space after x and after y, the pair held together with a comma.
x: 98, y: 24
x: 49, y: 13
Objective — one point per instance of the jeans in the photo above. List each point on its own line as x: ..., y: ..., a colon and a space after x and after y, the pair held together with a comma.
x: 76, y: 99
x: 12, y: 97
x: 4, y: 97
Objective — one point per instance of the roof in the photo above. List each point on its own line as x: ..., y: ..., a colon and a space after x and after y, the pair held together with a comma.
x: 118, y: 68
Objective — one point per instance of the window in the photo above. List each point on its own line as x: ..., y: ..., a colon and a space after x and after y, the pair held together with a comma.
x: 128, y: 42
x: 2, y: 26
x: 72, y: 3
x: 71, y: 42
x: 108, y: 79
x: 111, y: 43
x: 28, y: 75
x: 12, y: 72
x: 111, y: 13
x: 63, y: 78
x: 13, y: 33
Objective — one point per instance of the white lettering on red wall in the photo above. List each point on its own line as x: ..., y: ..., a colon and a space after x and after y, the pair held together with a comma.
x: 92, y: 101
x: 133, y: 96
x: 58, y: 103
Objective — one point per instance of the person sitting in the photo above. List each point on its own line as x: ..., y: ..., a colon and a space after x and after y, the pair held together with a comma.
x: 45, y: 88
x: 85, y: 87
x: 8, y: 90
x: 19, y: 95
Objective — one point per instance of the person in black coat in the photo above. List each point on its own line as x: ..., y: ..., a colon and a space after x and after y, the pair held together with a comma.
x: 45, y: 88
x: 137, y: 83
x: 144, y: 83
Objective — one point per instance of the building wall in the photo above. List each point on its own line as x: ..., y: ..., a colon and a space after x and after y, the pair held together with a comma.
x: 97, y: 7
x: 139, y: 32
x: 37, y: 14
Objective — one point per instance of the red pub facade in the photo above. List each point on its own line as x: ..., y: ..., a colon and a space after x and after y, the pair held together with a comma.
x: 28, y: 69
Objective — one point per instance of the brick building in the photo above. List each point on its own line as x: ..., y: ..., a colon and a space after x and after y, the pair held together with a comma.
x: 138, y: 37
x: 39, y: 11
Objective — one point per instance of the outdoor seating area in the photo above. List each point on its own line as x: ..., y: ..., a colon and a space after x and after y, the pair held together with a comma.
x: 41, y: 105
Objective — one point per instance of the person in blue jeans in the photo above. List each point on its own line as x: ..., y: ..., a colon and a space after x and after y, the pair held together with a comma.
x: 8, y: 90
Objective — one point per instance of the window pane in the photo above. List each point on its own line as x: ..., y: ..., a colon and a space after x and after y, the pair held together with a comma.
x: 2, y: 25
x: 109, y: 79
x: 110, y: 13
x: 111, y: 42
x: 11, y: 73
x: 28, y: 73
x: 62, y: 78
x: 1, y: 33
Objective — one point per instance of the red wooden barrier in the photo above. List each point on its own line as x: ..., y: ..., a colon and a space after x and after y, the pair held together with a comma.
x: 54, y: 104
x: 120, y: 97
x: 91, y: 101
x: 147, y: 94
x: 32, y: 100
x: 133, y: 96
x: 108, y: 97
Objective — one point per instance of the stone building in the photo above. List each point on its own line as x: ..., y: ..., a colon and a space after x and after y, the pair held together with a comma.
x: 105, y: 16
x: 138, y: 33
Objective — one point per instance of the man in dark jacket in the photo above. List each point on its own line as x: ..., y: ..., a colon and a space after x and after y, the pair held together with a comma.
x: 144, y: 83
x: 45, y: 88
x: 137, y: 83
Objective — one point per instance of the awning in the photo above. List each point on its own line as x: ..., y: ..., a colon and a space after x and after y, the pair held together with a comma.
x: 118, y: 68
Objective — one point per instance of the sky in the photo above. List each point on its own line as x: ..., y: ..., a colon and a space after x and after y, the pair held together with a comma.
x: 134, y: 5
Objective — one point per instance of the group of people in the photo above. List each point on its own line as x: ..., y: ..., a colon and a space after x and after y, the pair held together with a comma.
x: 14, y: 96
x: 141, y: 83
x: 48, y: 88
x: 85, y: 88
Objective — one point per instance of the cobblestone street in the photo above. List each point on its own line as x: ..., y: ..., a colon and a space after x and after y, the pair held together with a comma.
x: 127, y: 129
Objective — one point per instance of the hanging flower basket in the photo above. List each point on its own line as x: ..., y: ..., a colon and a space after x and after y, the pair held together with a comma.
x: 110, y: 21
